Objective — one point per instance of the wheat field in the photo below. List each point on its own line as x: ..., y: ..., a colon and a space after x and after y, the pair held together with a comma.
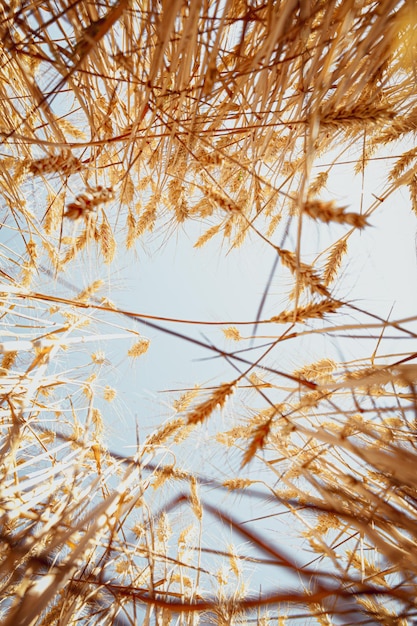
x: 280, y: 484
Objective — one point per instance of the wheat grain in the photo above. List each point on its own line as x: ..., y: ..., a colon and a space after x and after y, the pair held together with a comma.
x: 195, y: 500
x: 260, y: 435
x: 232, y: 333
x: 165, y: 432
x: 185, y: 400
x: 334, y: 261
x: 87, y: 203
x: 109, y: 393
x: 327, y: 212
x: 237, y: 483
x: 305, y: 274
x: 8, y: 360
x: 318, y: 184
x: 86, y: 293
x: 139, y: 348
x: 64, y: 162
x: 216, y: 400
x: 412, y: 186
x: 107, y: 241
x: 275, y: 220
x: 207, y: 235
x: 311, y: 311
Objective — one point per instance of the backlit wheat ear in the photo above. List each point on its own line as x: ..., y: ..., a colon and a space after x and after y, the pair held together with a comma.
x: 216, y: 400
x: 88, y: 202
x: 327, y: 212
x: 139, y: 348
x: 334, y: 261
x: 311, y: 311
x: 232, y: 333
x: 107, y: 241
x: 86, y: 293
x: 318, y: 184
x: 357, y: 117
x: 306, y: 275
x: 207, y: 235
x: 64, y: 162
x: 257, y: 442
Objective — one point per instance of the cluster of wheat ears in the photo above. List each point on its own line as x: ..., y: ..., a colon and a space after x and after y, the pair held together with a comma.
x: 120, y: 119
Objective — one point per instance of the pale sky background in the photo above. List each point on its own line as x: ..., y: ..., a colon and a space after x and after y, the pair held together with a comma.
x: 213, y: 283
